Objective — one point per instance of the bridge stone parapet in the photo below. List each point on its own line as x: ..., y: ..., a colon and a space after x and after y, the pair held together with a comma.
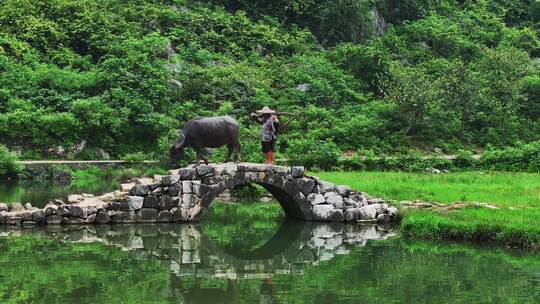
x: 185, y: 194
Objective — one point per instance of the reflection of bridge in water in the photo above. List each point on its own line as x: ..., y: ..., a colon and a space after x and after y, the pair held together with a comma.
x: 186, y: 251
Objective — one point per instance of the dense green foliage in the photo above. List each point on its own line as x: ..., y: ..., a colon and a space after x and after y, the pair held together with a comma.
x: 9, y: 163
x: 375, y: 76
x: 521, y: 158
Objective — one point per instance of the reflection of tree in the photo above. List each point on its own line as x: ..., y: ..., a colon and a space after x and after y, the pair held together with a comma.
x: 41, y: 270
x: 146, y: 263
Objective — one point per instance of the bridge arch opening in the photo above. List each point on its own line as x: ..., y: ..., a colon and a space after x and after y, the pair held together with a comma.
x: 286, y: 193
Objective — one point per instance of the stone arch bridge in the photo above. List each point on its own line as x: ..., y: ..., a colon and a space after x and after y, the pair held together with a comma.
x: 185, y: 194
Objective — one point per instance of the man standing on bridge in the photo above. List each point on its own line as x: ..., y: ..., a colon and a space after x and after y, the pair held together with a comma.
x: 270, y: 126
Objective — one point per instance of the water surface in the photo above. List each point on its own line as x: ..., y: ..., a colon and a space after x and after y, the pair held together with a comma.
x: 245, y: 257
x: 295, y: 262
x: 38, y: 193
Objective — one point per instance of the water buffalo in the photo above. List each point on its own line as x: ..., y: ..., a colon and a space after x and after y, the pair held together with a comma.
x: 207, y: 132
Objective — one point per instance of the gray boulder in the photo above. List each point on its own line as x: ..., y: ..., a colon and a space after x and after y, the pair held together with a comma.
x: 383, y: 218
x: 102, y: 217
x: 77, y: 211
x: 392, y: 211
x: 3, y: 207
x: 187, y: 187
x: 188, y: 201
x: 205, y: 170
x: 132, y: 203
x: 186, y: 174
x: 368, y: 212
x: 316, y: 199
x: 297, y: 171
x: 343, y: 190
x: 90, y: 219
x: 50, y: 209
x: 39, y: 216
x: 151, y: 201
x: 335, y: 200
x: 326, y: 186
x: 139, y: 190
x: 169, y: 180
x: 351, y: 214
x: 305, y: 185
x: 322, y: 212
x: 16, y: 207
x: 336, y: 215
x: 175, y: 189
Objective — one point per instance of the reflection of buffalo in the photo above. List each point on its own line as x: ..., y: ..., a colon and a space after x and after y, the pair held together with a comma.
x: 207, y: 132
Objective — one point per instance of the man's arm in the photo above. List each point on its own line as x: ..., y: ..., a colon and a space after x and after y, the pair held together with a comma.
x: 276, y: 123
x: 256, y: 118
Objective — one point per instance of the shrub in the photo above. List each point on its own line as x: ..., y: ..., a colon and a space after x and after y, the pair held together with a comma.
x: 310, y: 153
x: 9, y: 163
x: 525, y: 157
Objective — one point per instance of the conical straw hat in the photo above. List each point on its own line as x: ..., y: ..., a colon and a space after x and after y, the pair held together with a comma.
x: 266, y: 110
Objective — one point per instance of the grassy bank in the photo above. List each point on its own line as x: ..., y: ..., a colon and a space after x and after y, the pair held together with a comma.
x: 517, y: 195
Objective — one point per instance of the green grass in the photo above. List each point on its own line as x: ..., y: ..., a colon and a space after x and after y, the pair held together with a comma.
x: 516, y: 223
x: 503, y: 189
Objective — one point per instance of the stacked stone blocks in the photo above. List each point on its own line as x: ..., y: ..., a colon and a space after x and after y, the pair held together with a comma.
x: 184, y: 194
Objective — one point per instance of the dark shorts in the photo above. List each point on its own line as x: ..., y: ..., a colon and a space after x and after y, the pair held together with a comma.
x: 268, y: 146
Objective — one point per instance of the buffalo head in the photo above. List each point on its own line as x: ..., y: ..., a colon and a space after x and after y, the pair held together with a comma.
x: 176, y: 152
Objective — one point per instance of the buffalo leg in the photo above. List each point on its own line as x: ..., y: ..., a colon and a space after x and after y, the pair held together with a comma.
x: 200, y: 156
x: 229, y: 152
x: 238, y: 154
x: 204, y: 159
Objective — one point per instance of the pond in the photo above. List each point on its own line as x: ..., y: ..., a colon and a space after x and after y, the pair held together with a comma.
x: 241, y: 255
x: 38, y: 193
x: 296, y: 262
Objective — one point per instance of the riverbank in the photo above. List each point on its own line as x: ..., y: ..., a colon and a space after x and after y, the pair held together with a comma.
x: 515, y: 198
